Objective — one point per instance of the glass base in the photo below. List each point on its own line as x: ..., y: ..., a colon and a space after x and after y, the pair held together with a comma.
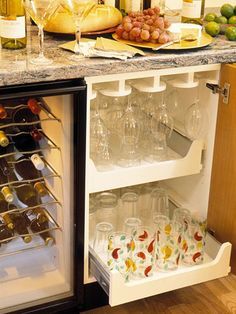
x: 41, y: 60
x: 76, y: 57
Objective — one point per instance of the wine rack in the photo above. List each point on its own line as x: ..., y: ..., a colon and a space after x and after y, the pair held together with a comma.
x: 49, y: 203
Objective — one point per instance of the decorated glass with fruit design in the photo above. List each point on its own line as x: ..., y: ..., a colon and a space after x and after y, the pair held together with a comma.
x: 169, y: 237
x: 144, y: 252
x: 195, y: 233
x: 120, y: 248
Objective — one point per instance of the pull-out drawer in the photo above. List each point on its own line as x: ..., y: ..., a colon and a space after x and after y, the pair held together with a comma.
x: 216, y: 264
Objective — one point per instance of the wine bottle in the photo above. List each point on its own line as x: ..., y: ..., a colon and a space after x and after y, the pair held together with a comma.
x: 4, y: 141
x: 5, y: 233
x: 3, y: 112
x: 27, y: 171
x: 26, y: 117
x: 155, y: 3
x: 7, y: 216
x: 33, y: 105
x: 133, y: 5
x: 4, y: 166
x: 20, y: 224
x: 5, y: 189
x: 193, y: 11
x: 24, y: 143
x: 12, y: 24
x: 37, y: 226
x: 113, y: 3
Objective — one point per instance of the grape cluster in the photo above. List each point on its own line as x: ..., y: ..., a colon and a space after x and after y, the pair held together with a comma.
x: 144, y: 26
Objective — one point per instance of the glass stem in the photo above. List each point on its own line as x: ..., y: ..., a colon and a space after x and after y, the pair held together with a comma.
x: 41, y: 41
x: 77, y: 33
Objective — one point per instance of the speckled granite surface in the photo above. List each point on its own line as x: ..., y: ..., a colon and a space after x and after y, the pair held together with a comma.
x: 15, y: 67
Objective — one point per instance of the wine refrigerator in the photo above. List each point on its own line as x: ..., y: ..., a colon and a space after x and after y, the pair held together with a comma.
x: 42, y: 207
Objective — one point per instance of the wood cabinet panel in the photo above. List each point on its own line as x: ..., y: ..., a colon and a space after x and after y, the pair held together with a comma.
x: 222, y: 201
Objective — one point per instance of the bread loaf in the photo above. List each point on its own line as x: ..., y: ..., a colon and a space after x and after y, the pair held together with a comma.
x: 100, y: 18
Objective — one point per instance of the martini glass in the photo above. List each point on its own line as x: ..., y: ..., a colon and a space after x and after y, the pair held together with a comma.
x: 79, y: 9
x: 41, y: 11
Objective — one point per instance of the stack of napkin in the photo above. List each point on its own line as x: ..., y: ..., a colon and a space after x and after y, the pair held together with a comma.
x: 102, y: 47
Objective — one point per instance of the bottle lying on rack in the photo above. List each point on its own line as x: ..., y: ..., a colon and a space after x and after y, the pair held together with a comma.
x: 6, y: 216
x: 4, y: 141
x: 38, y: 227
x: 27, y: 171
x: 27, y: 121
x: 20, y: 224
x: 27, y: 195
x: 4, y: 166
x: 33, y: 105
x: 25, y: 143
x: 5, y: 189
x: 5, y: 233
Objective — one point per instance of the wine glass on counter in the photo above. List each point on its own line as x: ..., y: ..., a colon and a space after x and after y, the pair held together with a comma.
x: 79, y: 9
x: 40, y: 11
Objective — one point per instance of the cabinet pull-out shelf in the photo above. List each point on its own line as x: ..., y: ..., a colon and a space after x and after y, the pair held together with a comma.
x: 216, y: 265
x: 178, y: 166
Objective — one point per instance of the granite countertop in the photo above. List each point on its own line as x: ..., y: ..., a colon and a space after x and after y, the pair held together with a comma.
x: 15, y: 67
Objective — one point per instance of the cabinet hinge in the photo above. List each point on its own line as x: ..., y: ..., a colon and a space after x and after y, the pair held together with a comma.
x: 223, y: 91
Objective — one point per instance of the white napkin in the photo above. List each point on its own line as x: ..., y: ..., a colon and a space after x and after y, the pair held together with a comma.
x: 87, y: 49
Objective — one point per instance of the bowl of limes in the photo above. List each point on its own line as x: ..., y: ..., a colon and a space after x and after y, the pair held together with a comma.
x: 224, y: 24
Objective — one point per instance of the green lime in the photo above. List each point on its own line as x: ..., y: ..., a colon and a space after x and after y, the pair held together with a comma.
x: 232, y: 20
x: 230, y: 33
x: 210, y: 17
x: 212, y: 28
x: 221, y: 20
x: 227, y: 10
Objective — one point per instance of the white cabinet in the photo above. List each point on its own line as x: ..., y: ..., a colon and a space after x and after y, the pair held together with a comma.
x: 186, y: 175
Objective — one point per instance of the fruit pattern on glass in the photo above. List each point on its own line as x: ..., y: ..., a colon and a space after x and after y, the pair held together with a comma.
x: 41, y: 11
x: 144, y: 252
x: 179, y: 240
x: 169, y: 237
x: 120, y: 247
x: 194, y: 235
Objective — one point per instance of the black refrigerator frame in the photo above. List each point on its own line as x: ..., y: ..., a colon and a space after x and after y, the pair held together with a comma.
x: 78, y: 89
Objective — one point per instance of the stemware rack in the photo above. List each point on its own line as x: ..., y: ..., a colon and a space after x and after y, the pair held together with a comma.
x: 50, y: 203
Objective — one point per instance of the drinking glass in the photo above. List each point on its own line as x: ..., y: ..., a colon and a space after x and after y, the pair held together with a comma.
x: 169, y: 235
x: 100, y: 243
x: 120, y: 247
x: 129, y: 206
x: 194, y: 235
x: 79, y: 9
x: 159, y: 202
x: 131, y: 224
x: 41, y: 11
x: 107, y: 205
x: 143, y: 255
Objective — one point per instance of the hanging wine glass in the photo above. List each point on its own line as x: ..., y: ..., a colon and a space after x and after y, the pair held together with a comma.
x: 162, y: 124
x: 41, y: 11
x: 173, y: 101
x: 100, y: 151
x: 195, y: 119
x: 129, y: 125
x: 79, y: 9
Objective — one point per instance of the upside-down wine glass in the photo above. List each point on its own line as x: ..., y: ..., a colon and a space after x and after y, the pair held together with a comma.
x: 79, y: 9
x: 41, y: 11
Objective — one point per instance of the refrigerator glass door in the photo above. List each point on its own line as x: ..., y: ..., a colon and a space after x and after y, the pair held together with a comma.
x: 43, y: 269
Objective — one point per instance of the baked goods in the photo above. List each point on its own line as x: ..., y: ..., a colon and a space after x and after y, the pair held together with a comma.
x: 101, y: 17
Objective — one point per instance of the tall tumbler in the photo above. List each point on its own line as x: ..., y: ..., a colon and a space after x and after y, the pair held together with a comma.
x: 169, y: 235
